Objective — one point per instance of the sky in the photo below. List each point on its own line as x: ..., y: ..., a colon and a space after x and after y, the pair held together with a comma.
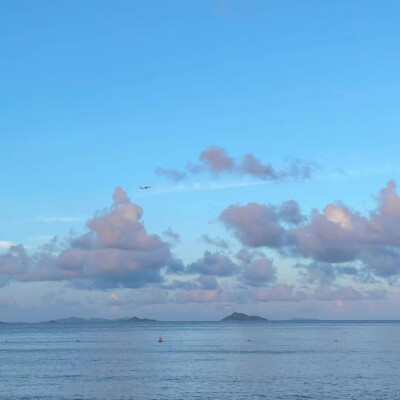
x: 267, y: 130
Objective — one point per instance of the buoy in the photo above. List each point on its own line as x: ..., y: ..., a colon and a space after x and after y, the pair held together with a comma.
x: 160, y: 339
x: 77, y: 340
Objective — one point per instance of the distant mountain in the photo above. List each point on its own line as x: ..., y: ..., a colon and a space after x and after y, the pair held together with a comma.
x: 75, y: 320
x: 71, y: 320
x: 244, y: 317
x: 136, y: 319
x: 108, y: 320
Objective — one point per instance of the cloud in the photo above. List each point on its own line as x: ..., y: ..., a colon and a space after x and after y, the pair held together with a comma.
x: 172, y: 236
x: 322, y: 273
x: 171, y: 174
x: 223, y: 244
x: 213, y: 264
x: 150, y: 295
x: 215, y: 160
x: 246, y: 255
x: 262, y: 224
x: 279, y: 292
x: 116, y: 251
x: 14, y: 261
x: 347, y: 293
x: 339, y: 234
x: 259, y: 273
x: 203, y: 289
x: 115, y: 301
x: 254, y: 225
x: 203, y: 282
x: 197, y: 296
x: 384, y: 261
x: 114, y: 296
x: 5, y: 244
x: 336, y: 235
x: 120, y: 227
x: 290, y: 213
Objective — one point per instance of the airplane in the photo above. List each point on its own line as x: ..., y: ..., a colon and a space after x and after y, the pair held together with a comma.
x: 144, y: 187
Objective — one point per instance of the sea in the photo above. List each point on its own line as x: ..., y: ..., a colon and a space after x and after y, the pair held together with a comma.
x: 201, y: 360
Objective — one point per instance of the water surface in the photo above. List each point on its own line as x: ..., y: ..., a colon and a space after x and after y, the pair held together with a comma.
x: 200, y: 360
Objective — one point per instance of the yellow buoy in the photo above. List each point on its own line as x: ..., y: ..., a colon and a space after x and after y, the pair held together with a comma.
x: 160, y: 339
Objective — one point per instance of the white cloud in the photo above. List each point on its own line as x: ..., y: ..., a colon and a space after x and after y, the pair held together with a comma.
x: 5, y: 244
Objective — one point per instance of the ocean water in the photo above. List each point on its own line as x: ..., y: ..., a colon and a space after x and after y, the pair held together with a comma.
x: 199, y: 360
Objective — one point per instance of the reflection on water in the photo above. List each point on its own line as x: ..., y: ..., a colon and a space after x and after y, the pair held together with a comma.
x: 276, y: 360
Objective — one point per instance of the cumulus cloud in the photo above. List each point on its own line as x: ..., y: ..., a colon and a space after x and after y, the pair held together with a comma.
x: 339, y: 234
x: 259, y: 273
x: 258, y: 225
x: 322, y: 273
x: 213, y: 264
x: 384, y: 261
x: 336, y: 235
x: 115, y: 252
x: 246, y: 255
x: 215, y: 160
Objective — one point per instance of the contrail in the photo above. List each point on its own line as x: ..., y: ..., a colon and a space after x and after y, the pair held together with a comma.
x: 207, y: 186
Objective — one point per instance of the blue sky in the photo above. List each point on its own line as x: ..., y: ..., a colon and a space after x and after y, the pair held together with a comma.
x: 97, y: 95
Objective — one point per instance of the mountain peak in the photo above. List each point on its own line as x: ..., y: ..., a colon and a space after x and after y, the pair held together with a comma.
x: 243, y: 317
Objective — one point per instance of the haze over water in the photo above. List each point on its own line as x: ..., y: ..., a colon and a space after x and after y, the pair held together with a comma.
x: 200, y: 360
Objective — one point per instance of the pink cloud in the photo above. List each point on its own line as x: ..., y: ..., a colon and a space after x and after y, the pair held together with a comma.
x: 116, y: 251
x: 216, y: 160
x: 281, y: 292
x: 335, y: 235
x: 197, y: 296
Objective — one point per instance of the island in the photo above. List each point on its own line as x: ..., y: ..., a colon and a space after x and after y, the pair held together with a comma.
x: 75, y: 320
x: 136, y: 319
x: 244, y: 317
